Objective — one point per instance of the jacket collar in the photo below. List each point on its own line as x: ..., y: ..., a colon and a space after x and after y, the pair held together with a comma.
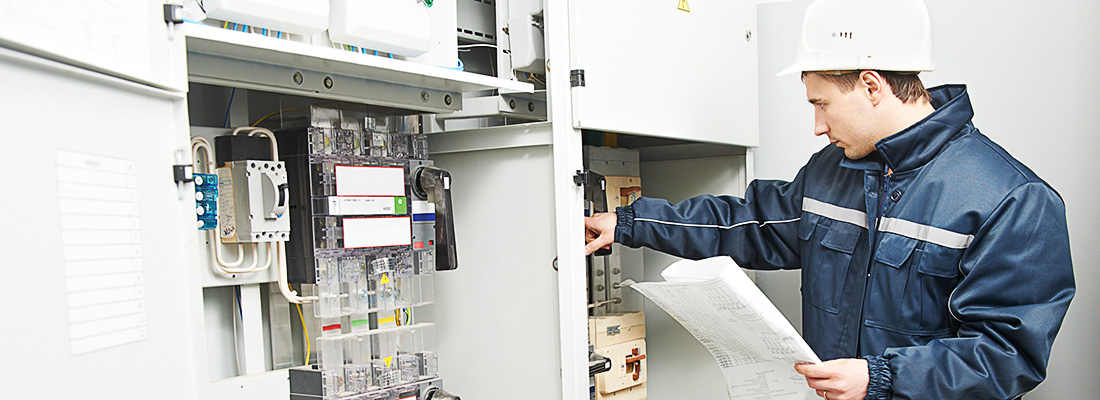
x: 918, y: 144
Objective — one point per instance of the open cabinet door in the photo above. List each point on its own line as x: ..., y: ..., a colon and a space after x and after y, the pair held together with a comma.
x: 100, y: 292
x: 123, y: 38
x: 684, y: 70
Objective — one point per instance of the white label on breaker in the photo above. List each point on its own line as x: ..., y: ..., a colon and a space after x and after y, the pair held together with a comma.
x: 357, y: 180
x: 377, y: 232
x: 366, y: 205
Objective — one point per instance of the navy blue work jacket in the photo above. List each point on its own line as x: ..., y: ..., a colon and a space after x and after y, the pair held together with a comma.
x: 951, y: 275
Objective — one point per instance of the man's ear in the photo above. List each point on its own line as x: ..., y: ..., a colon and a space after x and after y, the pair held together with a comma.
x: 873, y: 86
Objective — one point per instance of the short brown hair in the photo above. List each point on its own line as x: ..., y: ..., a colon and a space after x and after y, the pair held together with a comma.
x: 907, y: 87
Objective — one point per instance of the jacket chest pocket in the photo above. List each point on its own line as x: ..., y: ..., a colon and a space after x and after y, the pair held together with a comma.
x: 827, y: 248
x: 910, y: 286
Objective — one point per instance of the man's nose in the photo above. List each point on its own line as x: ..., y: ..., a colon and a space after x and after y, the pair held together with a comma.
x: 820, y: 126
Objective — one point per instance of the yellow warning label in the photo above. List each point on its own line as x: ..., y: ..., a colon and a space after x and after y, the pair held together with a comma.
x: 683, y: 6
x: 385, y: 320
x: 388, y: 359
x: 385, y: 279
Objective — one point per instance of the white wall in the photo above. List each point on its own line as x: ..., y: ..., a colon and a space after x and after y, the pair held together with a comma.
x: 1030, y: 68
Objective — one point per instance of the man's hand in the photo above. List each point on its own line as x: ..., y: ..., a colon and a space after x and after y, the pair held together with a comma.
x: 599, y: 231
x: 840, y: 379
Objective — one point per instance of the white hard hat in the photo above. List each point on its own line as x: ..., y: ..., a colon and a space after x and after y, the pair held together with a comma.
x: 885, y: 35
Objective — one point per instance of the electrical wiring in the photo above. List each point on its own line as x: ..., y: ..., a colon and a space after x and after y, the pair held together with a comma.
x: 220, y: 265
x: 252, y: 130
x: 468, y: 46
x: 236, y: 346
x: 284, y: 287
x: 276, y: 113
x: 229, y: 107
x: 305, y: 332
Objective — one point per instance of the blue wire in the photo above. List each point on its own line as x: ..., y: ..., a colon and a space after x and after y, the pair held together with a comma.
x: 229, y: 107
x: 239, y: 312
x: 278, y: 34
x: 265, y: 31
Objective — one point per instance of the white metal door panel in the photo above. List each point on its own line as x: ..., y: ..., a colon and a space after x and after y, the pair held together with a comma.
x: 653, y: 69
x: 87, y: 172
x: 124, y: 38
x: 496, y: 315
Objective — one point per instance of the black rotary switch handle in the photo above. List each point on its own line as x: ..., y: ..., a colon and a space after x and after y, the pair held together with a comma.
x: 435, y: 185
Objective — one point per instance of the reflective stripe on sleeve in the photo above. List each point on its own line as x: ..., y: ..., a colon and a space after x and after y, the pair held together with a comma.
x: 854, y: 217
x: 925, y: 233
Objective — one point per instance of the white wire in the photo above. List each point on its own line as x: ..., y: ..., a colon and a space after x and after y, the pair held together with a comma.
x: 220, y: 265
x: 252, y: 130
x: 466, y: 46
x: 284, y: 287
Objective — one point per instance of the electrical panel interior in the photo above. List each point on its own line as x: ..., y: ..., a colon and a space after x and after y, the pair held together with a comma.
x: 359, y: 221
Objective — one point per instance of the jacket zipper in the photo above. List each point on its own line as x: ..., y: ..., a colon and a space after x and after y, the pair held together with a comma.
x: 872, y: 232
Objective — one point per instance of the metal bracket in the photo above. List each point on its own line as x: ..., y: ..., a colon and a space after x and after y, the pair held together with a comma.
x: 182, y: 173
x: 576, y: 78
x: 589, y: 178
x: 172, y: 13
x: 614, y: 330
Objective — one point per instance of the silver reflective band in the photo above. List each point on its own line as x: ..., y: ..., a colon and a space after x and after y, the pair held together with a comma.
x: 854, y: 217
x: 925, y: 233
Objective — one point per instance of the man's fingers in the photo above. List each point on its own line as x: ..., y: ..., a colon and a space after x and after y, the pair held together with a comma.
x: 603, y: 240
x: 813, y: 370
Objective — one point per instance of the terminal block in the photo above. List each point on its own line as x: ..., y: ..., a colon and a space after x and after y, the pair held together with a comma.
x: 206, y: 200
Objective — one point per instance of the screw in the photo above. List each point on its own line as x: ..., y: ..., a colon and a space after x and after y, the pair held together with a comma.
x: 298, y: 78
x: 447, y: 99
x: 599, y: 272
x: 748, y: 35
x: 530, y: 106
x: 424, y: 96
x: 599, y: 288
x: 616, y: 271
x: 512, y: 103
x: 328, y: 82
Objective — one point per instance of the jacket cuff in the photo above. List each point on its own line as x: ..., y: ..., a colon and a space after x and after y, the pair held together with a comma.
x: 624, y: 227
x: 878, y: 372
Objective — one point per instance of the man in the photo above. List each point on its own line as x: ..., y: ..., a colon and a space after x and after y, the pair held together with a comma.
x: 934, y: 265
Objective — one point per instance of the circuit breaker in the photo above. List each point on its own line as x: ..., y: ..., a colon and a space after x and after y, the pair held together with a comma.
x: 371, y: 222
x: 254, y: 198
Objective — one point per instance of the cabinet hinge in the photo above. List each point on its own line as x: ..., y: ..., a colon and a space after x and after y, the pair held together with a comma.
x: 576, y: 78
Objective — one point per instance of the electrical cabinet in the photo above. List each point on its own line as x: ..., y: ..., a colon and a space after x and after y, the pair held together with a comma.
x: 512, y: 321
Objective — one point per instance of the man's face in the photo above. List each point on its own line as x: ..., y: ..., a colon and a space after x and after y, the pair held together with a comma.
x: 844, y: 117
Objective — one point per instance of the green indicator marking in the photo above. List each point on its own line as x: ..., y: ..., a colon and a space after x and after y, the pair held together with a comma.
x: 359, y: 322
x: 400, y: 206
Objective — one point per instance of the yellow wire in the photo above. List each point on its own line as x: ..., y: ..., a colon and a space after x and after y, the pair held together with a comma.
x: 226, y: 26
x: 268, y: 115
x: 309, y: 346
